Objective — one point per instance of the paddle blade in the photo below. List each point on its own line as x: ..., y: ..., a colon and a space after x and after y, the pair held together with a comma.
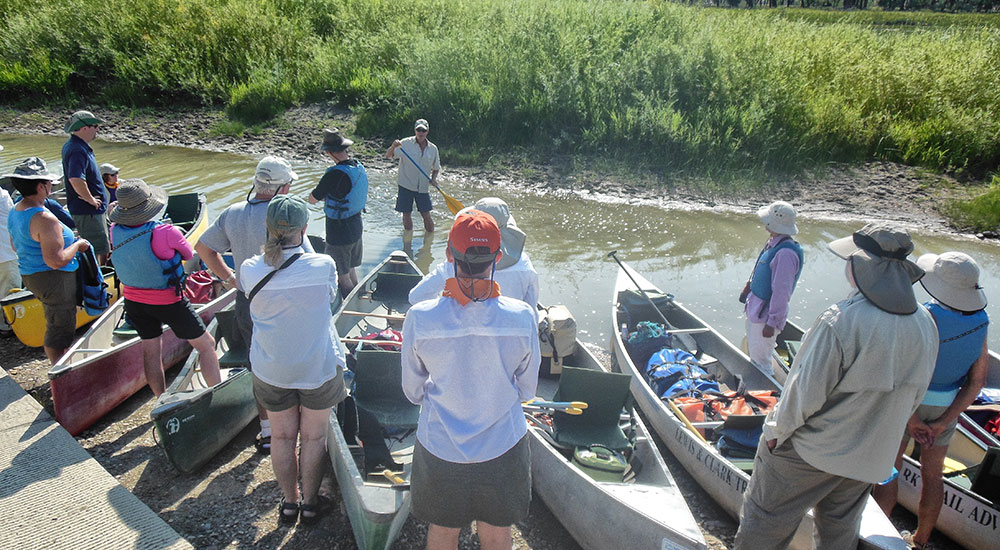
x: 453, y: 204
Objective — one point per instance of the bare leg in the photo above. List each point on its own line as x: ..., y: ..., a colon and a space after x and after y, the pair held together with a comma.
x: 205, y: 345
x: 152, y: 364
x: 284, y: 458
x: 102, y: 259
x: 442, y: 538
x: 492, y: 537
x: 54, y: 354
x: 886, y: 495
x: 313, y: 426
x: 428, y: 221
x: 932, y: 491
x: 407, y: 221
x: 347, y: 281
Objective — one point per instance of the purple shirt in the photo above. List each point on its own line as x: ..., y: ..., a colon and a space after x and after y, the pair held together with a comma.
x: 784, y: 266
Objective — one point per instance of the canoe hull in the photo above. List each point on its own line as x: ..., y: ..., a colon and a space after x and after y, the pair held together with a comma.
x: 376, y: 512
x: 85, y: 390
x: 717, y: 475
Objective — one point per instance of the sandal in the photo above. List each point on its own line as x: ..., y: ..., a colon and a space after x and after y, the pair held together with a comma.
x: 312, y: 513
x: 263, y: 444
x: 283, y: 512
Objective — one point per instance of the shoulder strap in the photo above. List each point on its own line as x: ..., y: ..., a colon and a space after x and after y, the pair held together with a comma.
x: 133, y: 237
x: 267, y: 277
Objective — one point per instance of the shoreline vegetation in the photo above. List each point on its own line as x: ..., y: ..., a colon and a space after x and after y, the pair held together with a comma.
x: 659, y: 90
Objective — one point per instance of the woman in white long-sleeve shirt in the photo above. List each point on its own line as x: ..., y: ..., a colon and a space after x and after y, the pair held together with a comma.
x: 296, y: 353
x: 470, y: 356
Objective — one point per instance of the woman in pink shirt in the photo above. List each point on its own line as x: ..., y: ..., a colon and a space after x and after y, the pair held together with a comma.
x: 148, y: 257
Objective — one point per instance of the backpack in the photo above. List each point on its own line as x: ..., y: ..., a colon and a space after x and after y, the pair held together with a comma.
x: 648, y: 338
x: 672, y: 372
x: 91, y: 289
x: 557, y: 336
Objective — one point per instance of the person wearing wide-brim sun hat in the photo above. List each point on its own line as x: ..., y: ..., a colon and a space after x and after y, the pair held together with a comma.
x: 958, y: 305
x: 149, y: 257
x: 46, y: 253
x: 515, y: 273
x: 863, y: 368
x: 768, y: 291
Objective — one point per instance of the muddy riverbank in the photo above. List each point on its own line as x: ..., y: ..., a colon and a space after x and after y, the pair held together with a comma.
x: 873, y: 190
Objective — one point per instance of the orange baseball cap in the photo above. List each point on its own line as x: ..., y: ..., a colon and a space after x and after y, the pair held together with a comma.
x: 471, y: 229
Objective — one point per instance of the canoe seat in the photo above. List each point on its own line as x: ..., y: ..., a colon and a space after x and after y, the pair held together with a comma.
x: 393, y: 289
x: 238, y: 352
x: 606, y: 394
x: 986, y: 481
x: 378, y: 388
x: 182, y: 209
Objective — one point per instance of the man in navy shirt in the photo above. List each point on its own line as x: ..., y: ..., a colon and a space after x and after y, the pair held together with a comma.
x: 86, y: 196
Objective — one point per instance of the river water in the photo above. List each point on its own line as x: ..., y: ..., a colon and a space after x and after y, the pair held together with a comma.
x: 703, y: 257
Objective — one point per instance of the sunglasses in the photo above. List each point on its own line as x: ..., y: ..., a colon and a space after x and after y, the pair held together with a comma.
x: 422, y: 130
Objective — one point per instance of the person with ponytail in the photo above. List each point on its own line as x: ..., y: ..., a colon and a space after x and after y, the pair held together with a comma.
x: 298, y: 360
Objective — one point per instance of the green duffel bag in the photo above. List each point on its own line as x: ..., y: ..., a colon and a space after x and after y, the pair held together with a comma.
x: 601, y: 463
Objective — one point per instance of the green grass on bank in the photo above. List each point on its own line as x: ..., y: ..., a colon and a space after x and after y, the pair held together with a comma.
x: 980, y: 213
x: 664, y: 87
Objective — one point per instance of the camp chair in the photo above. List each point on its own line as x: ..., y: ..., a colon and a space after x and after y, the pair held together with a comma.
x: 378, y: 388
x: 238, y: 351
x: 393, y: 289
x: 606, y: 394
x: 986, y: 482
x: 183, y: 209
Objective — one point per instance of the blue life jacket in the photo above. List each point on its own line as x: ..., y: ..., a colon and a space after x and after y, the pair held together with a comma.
x: 961, y: 344
x: 761, y: 283
x: 135, y: 263
x: 354, y: 201
x: 29, y: 251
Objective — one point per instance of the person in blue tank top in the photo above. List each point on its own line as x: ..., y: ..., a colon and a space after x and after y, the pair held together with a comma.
x: 46, y: 254
x: 343, y: 189
x: 769, y: 289
x: 958, y: 307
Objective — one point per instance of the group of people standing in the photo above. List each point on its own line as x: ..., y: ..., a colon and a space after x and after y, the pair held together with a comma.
x: 874, y: 368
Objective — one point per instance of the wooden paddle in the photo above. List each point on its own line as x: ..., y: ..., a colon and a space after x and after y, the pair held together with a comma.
x: 453, y: 204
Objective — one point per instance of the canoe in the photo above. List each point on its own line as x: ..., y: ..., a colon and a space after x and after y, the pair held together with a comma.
x: 648, y: 512
x: 102, y: 369
x: 192, y: 420
x: 189, y: 211
x: 376, y: 509
x: 724, y: 479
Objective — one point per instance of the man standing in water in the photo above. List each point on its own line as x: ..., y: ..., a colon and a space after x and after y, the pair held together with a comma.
x: 344, y: 192
x: 772, y: 282
x: 863, y: 369
x: 242, y: 229
x: 412, y: 179
x: 86, y: 196
x: 470, y: 357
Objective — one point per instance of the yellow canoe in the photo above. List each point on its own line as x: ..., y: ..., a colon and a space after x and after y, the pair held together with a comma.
x: 24, y: 312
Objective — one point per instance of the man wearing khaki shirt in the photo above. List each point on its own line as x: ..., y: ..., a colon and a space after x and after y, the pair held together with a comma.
x: 862, y: 371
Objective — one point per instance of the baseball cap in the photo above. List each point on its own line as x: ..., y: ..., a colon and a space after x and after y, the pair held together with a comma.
x: 273, y: 170
x: 420, y: 123
x: 474, y: 228
x: 287, y: 212
x: 108, y: 168
x: 80, y: 119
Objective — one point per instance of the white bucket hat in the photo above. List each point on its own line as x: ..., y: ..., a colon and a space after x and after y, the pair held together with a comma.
x: 779, y: 216
x: 952, y: 278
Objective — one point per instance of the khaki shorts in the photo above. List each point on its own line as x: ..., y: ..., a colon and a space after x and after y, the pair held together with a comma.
x: 929, y: 413
x: 56, y: 290
x: 278, y: 399
x: 454, y: 495
x: 94, y: 228
x: 346, y: 256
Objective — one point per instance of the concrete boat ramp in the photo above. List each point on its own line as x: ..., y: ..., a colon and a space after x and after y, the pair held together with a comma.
x: 54, y: 495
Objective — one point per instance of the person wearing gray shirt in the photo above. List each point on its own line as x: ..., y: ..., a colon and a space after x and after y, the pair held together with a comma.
x: 863, y: 369
x: 242, y: 229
